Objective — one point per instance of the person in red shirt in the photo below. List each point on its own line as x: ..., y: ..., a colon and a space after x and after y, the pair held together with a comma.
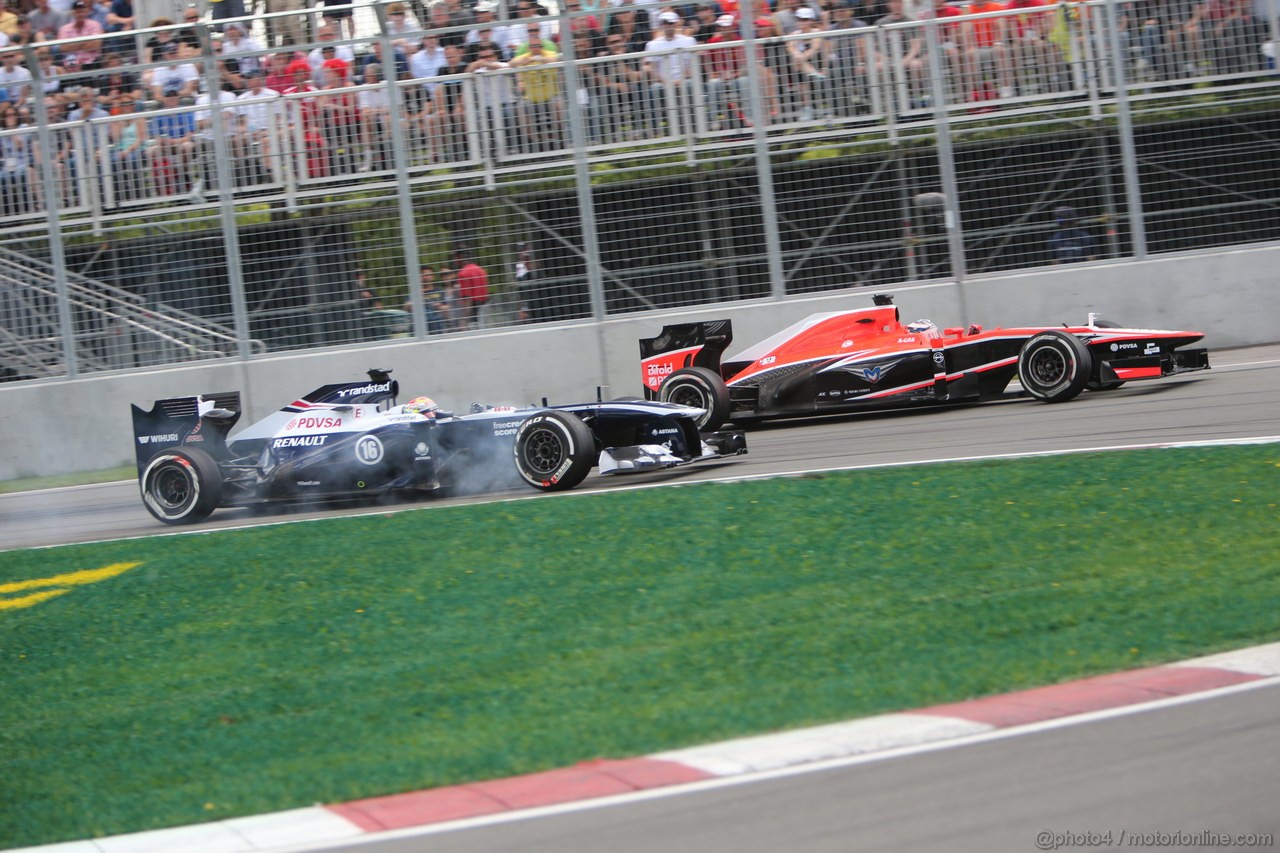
x: 986, y: 42
x: 725, y: 69
x: 473, y: 288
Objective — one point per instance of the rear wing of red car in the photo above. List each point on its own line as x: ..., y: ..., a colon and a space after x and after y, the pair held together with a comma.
x: 682, y: 345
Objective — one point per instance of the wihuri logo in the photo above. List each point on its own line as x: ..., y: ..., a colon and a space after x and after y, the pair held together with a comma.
x: 57, y: 585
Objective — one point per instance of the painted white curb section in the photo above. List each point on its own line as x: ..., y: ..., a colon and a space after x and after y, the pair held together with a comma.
x: 236, y: 835
x: 1259, y: 660
x: 840, y: 740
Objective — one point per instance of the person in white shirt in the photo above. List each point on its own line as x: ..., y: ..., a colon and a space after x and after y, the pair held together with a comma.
x: 669, y: 68
x: 400, y: 26
x: 204, y: 136
x: 497, y: 33
x: 235, y: 41
x: 375, y: 112
x: 259, y: 111
x: 15, y: 79
x: 318, y: 56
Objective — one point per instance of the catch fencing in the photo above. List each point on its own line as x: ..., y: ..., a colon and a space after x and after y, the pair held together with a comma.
x: 600, y: 175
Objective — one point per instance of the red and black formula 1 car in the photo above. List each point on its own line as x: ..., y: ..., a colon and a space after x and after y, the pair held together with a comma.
x: 869, y: 358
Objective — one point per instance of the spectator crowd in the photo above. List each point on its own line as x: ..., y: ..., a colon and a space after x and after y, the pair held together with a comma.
x: 132, y: 106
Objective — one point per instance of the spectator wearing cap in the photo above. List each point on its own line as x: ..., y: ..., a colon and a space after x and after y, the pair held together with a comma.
x: 669, y: 67
x: 786, y: 19
x: 173, y: 145
x: 305, y: 123
x: 809, y: 57
x: 238, y: 43
x: 1070, y: 243
x: 339, y: 116
x: 177, y: 72
x: 88, y: 50
x: 260, y: 114
x: 774, y: 63
x: 488, y: 30
x: 725, y: 66
x: 46, y: 21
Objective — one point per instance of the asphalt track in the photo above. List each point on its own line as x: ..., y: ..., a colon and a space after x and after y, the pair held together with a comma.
x: 1238, y: 398
x: 1182, y: 767
x: 1186, y: 768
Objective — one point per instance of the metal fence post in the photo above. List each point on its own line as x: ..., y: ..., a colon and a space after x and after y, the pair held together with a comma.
x: 582, y: 169
x: 759, y: 116
x: 1124, y: 126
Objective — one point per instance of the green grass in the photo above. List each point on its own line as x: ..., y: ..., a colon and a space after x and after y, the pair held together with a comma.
x: 240, y: 672
x: 107, y: 475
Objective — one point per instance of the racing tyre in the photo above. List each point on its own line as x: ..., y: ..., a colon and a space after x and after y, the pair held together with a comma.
x: 1054, y: 366
x: 554, y: 451
x: 702, y: 389
x: 181, y: 485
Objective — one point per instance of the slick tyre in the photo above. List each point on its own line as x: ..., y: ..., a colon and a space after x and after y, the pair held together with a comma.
x: 702, y: 389
x: 1054, y: 367
x: 181, y: 485
x: 554, y: 451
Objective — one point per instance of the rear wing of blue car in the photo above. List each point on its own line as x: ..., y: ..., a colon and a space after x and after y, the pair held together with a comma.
x: 202, y: 421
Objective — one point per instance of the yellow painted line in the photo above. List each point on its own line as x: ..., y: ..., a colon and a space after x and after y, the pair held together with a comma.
x: 71, y: 578
x: 29, y: 600
x: 61, y: 585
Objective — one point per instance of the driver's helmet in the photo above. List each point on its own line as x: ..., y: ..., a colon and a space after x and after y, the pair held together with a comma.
x: 424, y: 406
x: 923, y: 327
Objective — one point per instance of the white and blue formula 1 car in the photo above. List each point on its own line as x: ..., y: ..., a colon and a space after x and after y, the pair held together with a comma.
x: 352, y: 439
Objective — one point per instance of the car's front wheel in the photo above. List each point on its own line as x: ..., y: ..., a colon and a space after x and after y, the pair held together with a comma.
x: 702, y: 389
x: 554, y: 451
x: 181, y: 486
x: 1054, y: 366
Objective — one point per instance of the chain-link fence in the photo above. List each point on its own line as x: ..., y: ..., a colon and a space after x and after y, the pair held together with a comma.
x: 402, y: 182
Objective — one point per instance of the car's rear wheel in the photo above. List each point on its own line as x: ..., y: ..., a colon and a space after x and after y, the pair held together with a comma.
x: 702, y: 389
x: 181, y: 486
x: 554, y: 451
x: 1054, y: 366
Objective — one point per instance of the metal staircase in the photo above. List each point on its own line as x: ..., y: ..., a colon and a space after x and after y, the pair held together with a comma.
x: 112, y: 328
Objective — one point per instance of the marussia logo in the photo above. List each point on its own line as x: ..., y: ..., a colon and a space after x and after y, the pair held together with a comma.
x: 875, y: 373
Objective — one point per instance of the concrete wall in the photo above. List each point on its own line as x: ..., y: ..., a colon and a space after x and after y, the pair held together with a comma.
x: 67, y: 426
